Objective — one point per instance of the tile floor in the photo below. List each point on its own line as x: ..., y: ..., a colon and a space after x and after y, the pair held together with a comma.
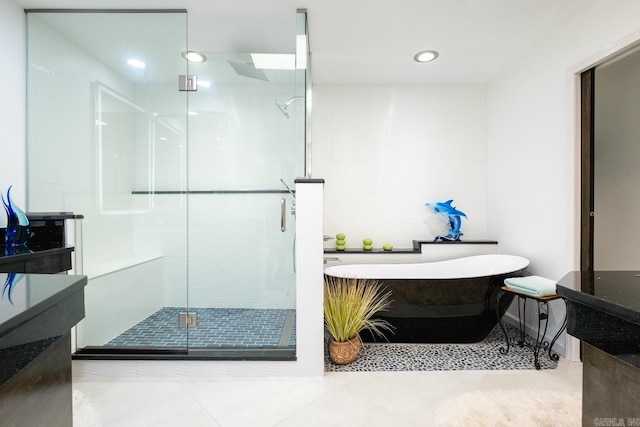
x: 338, y: 399
x: 217, y: 328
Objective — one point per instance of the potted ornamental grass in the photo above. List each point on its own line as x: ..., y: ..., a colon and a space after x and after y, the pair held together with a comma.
x: 349, y: 307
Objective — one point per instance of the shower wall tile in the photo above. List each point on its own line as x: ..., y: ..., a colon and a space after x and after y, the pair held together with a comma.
x: 62, y: 147
x: 386, y: 150
x: 248, y: 227
x: 242, y: 140
x: 12, y: 105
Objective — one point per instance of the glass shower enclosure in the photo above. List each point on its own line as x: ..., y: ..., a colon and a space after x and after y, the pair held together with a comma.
x: 184, y: 174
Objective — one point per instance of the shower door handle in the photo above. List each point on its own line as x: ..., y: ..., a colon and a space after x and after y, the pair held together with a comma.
x: 283, y: 214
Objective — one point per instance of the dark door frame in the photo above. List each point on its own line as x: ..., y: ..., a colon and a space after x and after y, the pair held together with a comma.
x: 587, y: 105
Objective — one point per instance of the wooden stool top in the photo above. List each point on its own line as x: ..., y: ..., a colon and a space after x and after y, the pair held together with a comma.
x: 544, y: 298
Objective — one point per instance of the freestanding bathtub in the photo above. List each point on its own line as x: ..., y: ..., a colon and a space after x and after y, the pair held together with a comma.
x: 450, y: 301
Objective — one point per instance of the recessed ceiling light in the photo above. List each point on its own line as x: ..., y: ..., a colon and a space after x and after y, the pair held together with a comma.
x: 425, y: 56
x: 193, y: 56
x: 136, y: 63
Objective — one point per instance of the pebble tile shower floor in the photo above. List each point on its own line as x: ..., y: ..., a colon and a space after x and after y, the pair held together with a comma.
x: 217, y: 328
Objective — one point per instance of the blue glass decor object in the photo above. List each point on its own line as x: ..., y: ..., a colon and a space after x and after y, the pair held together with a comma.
x: 17, y: 232
x: 454, y: 217
x: 9, y: 283
x: 17, y: 250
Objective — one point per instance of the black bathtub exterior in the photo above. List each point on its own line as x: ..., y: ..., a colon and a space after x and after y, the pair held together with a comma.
x: 443, y: 310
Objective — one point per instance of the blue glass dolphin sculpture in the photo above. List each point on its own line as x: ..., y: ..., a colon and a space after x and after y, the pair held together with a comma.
x: 9, y: 283
x: 454, y: 217
x: 17, y: 232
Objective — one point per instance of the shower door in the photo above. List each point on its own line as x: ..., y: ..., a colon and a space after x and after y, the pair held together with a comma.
x: 107, y: 139
x: 244, y: 153
x: 188, y: 232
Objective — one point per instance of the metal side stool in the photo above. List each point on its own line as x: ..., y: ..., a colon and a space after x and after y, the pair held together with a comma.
x: 543, y: 316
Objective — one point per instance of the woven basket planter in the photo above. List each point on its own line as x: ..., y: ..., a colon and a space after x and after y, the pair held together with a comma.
x: 346, y: 352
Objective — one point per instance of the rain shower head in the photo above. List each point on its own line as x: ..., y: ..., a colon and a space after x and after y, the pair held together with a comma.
x: 248, y: 70
x: 285, y: 106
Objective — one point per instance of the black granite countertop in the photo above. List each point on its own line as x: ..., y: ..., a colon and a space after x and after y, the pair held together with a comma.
x: 603, y: 309
x: 29, y: 295
x: 616, y: 293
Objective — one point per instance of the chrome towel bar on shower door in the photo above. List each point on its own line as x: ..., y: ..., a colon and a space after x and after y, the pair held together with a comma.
x: 283, y: 201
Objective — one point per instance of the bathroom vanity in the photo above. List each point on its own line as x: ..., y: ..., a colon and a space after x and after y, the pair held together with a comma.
x: 37, y: 312
x: 605, y: 315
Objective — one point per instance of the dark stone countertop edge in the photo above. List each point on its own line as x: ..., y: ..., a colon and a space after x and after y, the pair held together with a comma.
x: 456, y: 242
x: 35, y: 254
x: 43, y: 216
x: 373, y: 251
x: 600, y: 304
x: 417, y: 247
x: 309, y: 180
x: 33, y: 311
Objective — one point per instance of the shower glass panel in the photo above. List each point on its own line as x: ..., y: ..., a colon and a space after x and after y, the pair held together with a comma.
x: 105, y: 134
x: 247, y: 125
x: 189, y: 213
x: 243, y: 154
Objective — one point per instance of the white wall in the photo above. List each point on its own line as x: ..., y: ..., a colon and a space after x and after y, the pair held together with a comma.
x: 533, y: 156
x: 386, y: 150
x: 531, y: 135
x: 12, y: 102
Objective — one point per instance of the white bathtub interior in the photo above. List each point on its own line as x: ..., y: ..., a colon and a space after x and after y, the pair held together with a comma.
x: 465, y: 267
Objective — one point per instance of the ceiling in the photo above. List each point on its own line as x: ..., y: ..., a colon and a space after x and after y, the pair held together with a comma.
x: 357, y: 42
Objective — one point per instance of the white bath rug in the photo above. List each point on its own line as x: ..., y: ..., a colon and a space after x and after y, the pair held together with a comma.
x: 522, y: 408
x: 84, y: 414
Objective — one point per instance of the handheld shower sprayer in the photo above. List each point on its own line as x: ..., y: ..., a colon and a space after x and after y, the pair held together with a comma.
x: 285, y: 106
x: 293, y: 196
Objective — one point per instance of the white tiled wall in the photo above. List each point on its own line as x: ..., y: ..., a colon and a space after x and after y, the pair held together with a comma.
x: 386, y: 150
x: 12, y: 103
x: 62, y: 145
